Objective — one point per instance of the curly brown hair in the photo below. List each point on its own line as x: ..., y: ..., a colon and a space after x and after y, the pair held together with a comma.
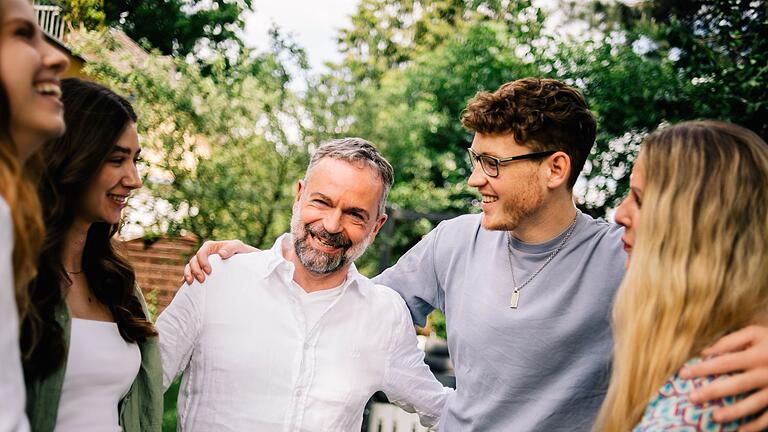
x: 541, y: 114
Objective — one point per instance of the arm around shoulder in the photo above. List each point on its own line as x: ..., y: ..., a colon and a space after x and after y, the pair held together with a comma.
x: 676, y: 412
x: 408, y: 382
x: 415, y: 278
x: 744, y: 354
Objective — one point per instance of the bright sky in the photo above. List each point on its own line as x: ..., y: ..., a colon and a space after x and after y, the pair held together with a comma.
x: 313, y: 24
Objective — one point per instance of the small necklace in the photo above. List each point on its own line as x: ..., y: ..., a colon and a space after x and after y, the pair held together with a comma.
x: 90, y: 298
x: 517, y: 288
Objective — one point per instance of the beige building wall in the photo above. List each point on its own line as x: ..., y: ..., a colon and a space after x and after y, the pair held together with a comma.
x: 76, y: 63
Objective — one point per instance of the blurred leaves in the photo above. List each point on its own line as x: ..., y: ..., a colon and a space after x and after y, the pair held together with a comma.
x: 178, y: 27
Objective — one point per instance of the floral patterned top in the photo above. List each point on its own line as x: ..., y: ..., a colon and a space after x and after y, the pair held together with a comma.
x: 670, y: 409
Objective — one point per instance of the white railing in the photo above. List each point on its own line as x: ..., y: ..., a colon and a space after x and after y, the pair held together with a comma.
x: 50, y: 19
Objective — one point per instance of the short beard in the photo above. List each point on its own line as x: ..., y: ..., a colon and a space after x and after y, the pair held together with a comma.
x: 318, y: 262
x: 519, y: 211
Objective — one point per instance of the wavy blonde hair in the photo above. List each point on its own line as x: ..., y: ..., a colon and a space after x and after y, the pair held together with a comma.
x: 699, y: 267
x: 20, y: 193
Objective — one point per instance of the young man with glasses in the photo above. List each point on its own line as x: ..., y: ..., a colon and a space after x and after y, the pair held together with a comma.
x: 527, y: 286
x: 527, y: 310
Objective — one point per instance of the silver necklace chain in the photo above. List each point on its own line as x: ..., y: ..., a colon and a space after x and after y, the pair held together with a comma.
x: 517, y: 288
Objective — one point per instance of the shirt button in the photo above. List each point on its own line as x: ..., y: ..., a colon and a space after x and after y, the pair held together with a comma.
x: 306, y: 345
x: 298, y: 392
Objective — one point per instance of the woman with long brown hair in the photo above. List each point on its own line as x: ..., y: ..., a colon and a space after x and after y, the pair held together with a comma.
x: 696, y: 228
x: 30, y: 114
x: 91, y: 342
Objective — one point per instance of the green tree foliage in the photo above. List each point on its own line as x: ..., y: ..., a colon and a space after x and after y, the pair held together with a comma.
x: 390, y: 35
x: 386, y: 34
x: 631, y: 94
x: 171, y: 26
x: 89, y: 13
x: 725, y: 50
x: 222, y: 164
x: 176, y: 26
x: 664, y: 62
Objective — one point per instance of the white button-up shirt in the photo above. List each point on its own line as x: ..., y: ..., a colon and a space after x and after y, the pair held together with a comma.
x: 251, y: 364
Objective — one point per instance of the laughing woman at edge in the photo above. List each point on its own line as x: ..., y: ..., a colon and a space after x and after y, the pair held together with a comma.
x: 30, y: 114
x: 696, y: 221
x: 96, y: 366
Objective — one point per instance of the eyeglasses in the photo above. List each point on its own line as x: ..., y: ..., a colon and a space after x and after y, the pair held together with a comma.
x: 491, y: 164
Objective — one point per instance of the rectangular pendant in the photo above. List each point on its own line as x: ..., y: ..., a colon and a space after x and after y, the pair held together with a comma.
x: 515, y: 298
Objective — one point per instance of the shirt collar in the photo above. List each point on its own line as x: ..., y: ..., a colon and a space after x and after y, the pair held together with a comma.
x: 277, y: 262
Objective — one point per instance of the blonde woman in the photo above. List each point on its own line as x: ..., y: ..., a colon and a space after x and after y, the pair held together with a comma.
x: 30, y: 114
x: 696, y: 221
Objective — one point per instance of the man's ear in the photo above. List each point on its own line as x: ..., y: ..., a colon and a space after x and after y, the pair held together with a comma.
x: 299, y: 188
x: 379, y: 223
x: 558, y: 170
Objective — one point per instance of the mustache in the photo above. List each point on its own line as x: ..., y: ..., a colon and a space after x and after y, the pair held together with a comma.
x: 337, y: 240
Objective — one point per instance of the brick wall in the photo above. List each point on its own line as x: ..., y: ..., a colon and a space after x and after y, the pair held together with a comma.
x: 159, y: 266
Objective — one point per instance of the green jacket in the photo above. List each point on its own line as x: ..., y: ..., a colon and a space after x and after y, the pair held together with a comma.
x: 141, y: 410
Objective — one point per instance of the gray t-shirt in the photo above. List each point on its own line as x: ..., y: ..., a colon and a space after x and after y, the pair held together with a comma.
x: 541, y: 367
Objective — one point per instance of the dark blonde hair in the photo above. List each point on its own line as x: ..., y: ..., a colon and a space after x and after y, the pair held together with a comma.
x: 541, y: 114
x: 18, y: 189
x: 699, y: 266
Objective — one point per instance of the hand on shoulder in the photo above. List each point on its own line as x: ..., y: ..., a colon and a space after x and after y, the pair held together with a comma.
x: 744, y: 354
x: 199, y: 266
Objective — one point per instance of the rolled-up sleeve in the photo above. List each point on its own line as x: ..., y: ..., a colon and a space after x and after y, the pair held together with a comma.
x: 408, y: 382
x: 179, y: 326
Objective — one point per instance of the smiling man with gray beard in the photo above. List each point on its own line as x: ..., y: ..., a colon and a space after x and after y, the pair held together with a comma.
x: 294, y: 338
x: 319, y: 262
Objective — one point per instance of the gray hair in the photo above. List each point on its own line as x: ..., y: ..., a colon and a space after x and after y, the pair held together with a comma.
x: 357, y: 151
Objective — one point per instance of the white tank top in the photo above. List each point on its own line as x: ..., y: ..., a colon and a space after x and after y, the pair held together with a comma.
x: 101, y: 367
